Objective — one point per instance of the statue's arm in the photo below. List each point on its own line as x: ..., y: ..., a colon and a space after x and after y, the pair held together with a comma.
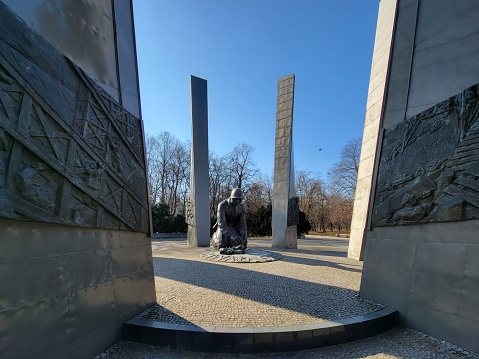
x: 221, y: 218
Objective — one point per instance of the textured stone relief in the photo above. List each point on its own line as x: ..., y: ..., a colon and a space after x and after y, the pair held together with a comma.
x: 68, y: 152
x: 6, y: 208
x: 190, y: 211
x: 293, y: 211
x: 429, y: 167
x: 33, y: 183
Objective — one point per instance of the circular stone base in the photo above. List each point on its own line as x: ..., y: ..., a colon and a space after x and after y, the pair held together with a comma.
x: 249, y: 256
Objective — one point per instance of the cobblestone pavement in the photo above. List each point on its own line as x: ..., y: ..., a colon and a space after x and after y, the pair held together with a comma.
x: 397, y: 343
x: 314, y: 283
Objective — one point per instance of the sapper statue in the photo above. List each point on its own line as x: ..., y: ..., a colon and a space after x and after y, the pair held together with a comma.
x: 231, y: 234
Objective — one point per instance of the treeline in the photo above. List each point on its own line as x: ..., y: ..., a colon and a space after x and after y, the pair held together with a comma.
x: 324, y: 206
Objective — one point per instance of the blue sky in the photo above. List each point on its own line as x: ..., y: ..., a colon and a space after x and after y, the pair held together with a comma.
x: 242, y: 48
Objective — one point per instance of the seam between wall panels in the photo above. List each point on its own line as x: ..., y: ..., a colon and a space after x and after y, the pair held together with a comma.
x: 411, y: 279
x: 412, y: 61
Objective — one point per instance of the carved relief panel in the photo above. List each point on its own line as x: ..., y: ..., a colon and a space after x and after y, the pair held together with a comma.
x: 293, y: 211
x: 69, y: 153
x: 429, y: 167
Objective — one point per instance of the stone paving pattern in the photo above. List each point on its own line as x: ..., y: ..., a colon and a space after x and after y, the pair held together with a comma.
x: 397, y: 343
x: 313, y: 283
x: 305, y: 286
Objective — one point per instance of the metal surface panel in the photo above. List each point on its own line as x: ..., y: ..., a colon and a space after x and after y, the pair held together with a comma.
x: 31, y: 324
x: 103, y: 6
x: 127, y: 63
x: 442, y: 21
x: 442, y: 71
x: 388, y: 266
x: 91, y: 307
x: 78, y: 30
x: 132, y: 295
x: 117, y: 239
x: 455, y: 329
x: 446, y: 277
x: 447, y: 232
x: 404, y: 3
x: 130, y: 102
x: 54, y: 321
x: 131, y: 262
x: 31, y: 281
x: 91, y: 344
x: 39, y: 240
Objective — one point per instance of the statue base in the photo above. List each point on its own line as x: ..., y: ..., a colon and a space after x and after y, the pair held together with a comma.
x: 248, y: 256
x: 230, y: 251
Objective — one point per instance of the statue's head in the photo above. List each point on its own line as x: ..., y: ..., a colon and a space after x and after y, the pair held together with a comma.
x: 236, y: 196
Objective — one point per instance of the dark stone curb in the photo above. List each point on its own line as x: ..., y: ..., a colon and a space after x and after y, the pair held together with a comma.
x: 217, y: 339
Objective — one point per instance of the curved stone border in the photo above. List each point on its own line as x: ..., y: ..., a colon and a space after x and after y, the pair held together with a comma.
x: 217, y: 339
x: 250, y: 256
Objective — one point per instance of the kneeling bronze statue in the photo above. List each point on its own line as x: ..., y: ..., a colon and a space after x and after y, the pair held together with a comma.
x: 231, y: 235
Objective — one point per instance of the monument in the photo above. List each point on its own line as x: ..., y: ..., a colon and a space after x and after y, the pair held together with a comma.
x: 416, y: 211
x: 231, y: 235
x: 75, y: 251
x: 198, y: 208
x: 285, y: 202
x: 229, y: 243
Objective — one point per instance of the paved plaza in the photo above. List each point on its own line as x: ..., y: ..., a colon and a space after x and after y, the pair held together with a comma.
x: 311, y: 284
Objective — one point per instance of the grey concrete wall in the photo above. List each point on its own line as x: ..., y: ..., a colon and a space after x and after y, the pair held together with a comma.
x: 429, y: 272
x: 75, y: 256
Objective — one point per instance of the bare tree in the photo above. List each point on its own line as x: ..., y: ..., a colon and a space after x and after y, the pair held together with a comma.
x: 219, y: 181
x: 344, y: 174
x: 340, y: 212
x: 168, y: 170
x: 153, y: 161
x: 179, y: 173
x: 313, y: 200
x: 242, y: 169
x: 259, y: 194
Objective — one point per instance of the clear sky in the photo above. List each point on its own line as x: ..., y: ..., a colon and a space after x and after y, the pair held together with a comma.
x: 242, y: 48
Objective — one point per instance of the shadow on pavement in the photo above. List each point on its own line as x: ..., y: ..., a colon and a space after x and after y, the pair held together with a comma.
x: 314, y: 299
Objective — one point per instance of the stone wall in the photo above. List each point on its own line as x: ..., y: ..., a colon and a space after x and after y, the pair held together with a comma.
x: 75, y: 255
x: 285, y: 203
x: 372, y: 123
x: 421, y: 218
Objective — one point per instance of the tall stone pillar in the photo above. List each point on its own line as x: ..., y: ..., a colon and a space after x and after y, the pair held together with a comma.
x: 198, y: 211
x: 372, y: 125
x: 285, y: 202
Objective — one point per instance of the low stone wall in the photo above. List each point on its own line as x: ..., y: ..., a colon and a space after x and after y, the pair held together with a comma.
x: 168, y: 235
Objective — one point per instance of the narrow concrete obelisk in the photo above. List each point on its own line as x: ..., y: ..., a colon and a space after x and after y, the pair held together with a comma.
x: 198, y: 211
x: 285, y: 202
